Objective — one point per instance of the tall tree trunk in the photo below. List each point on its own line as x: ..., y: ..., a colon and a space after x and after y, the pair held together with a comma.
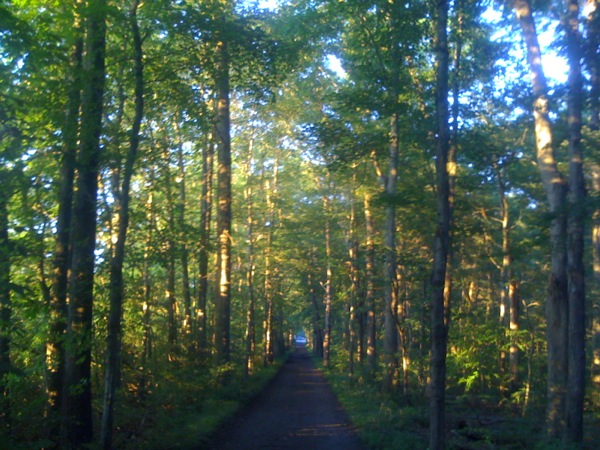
x: 575, y: 233
x: 147, y: 287
x: 270, y: 187
x: 390, y: 290
x: 514, y: 299
x: 370, y: 288
x: 204, y: 251
x: 317, y: 321
x: 57, y: 325
x: 354, y: 340
x: 114, y: 338
x: 250, y: 313
x: 555, y: 187
x: 187, y: 325
x: 77, y: 423
x: 328, y: 299
x: 222, y: 128
x: 509, y: 311
x: 170, y: 258
x: 439, y: 329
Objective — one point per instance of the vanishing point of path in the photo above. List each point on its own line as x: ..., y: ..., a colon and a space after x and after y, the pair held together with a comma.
x: 296, y: 411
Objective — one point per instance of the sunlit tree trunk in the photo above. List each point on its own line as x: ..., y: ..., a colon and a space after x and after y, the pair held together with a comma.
x: 508, y: 314
x: 61, y: 259
x: 186, y: 293
x: 268, y: 350
x: 575, y: 232
x: 114, y: 337
x: 514, y: 358
x: 77, y: 423
x: 222, y: 132
x: 354, y: 341
x: 147, y: 342
x: 328, y: 299
x: 555, y: 187
x: 317, y: 320
x: 169, y: 253
x: 270, y: 187
x: 250, y: 269
x: 370, y: 288
x: 203, y: 252
x: 390, y: 290
x: 439, y: 329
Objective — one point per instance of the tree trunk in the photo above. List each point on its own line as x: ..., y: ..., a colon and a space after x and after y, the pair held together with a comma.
x: 555, y: 187
x: 114, y: 337
x: 317, y: 325
x: 390, y: 290
x: 328, y: 299
x: 187, y: 325
x: 439, y: 329
x: 370, y: 289
x: 222, y: 128
x: 170, y: 258
x: 354, y: 340
x: 77, y: 423
x: 57, y: 326
x: 575, y: 233
x: 147, y: 288
x: 250, y: 313
x: 514, y: 299
x: 204, y: 251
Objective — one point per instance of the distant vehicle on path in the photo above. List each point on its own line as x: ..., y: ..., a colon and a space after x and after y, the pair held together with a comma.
x: 300, y: 340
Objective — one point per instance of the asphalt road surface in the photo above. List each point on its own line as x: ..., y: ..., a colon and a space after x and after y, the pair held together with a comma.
x: 296, y: 411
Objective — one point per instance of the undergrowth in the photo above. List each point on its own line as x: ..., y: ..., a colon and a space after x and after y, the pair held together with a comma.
x: 392, y: 422
x: 184, y: 411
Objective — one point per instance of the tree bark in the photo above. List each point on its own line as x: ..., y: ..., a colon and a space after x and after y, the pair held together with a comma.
x: 222, y: 128
x: 390, y: 290
x: 122, y: 198
x: 250, y: 311
x: 575, y: 233
x: 187, y: 325
x: 170, y: 258
x: 204, y: 251
x: 57, y: 326
x: 77, y: 423
x: 370, y: 288
x: 328, y: 299
x: 555, y: 187
x: 439, y: 329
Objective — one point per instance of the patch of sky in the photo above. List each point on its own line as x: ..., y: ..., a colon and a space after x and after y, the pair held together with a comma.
x: 334, y: 64
x: 555, y: 65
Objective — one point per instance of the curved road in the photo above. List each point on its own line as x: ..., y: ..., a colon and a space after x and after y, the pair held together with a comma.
x: 296, y: 411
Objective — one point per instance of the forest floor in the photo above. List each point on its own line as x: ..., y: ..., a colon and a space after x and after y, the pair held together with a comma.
x: 297, y: 410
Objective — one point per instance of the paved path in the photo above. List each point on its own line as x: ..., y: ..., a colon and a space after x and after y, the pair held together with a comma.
x: 297, y: 411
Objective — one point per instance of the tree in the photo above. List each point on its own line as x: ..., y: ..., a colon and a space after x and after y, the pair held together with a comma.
x: 222, y: 134
x: 441, y: 247
x: 114, y: 338
x: 76, y: 412
x: 565, y: 307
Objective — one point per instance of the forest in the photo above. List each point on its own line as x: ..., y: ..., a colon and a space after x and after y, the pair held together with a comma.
x: 186, y: 186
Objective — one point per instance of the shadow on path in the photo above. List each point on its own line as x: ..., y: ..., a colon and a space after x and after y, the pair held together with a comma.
x: 297, y: 410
